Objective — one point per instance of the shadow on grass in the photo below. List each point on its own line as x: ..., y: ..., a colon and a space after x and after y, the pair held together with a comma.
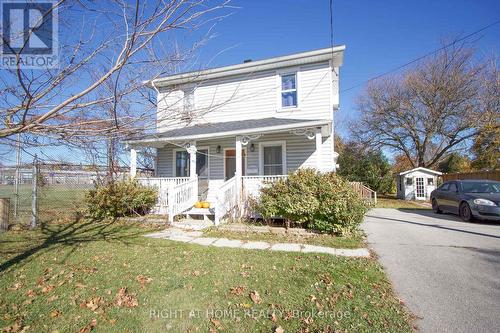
x: 70, y: 235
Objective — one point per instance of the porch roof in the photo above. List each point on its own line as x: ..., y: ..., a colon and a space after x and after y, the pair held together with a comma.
x: 230, y: 128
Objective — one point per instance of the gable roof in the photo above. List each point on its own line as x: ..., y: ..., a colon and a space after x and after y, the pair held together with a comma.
x: 421, y: 169
x: 231, y: 128
x: 336, y: 53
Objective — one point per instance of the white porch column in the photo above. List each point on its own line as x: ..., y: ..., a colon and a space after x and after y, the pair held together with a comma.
x: 192, y: 159
x: 133, y: 163
x: 239, y: 170
x: 319, y: 144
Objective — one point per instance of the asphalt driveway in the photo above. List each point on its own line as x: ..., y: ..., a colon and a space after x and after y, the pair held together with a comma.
x: 445, y: 270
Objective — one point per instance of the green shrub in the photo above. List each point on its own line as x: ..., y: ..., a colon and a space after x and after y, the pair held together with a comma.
x: 120, y: 198
x: 321, y: 201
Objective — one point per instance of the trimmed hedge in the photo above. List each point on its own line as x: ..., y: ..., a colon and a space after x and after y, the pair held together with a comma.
x: 120, y: 198
x: 320, y: 201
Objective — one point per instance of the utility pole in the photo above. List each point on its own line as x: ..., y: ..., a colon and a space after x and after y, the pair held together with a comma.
x: 34, y: 195
x: 16, y: 180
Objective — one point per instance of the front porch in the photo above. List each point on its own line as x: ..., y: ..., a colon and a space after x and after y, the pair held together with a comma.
x: 177, y: 196
x: 226, y: 163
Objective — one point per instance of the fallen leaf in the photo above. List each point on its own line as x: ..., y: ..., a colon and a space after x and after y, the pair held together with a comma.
x: 47, y: 288
x: 30, y: 293
x: 124, y: 299
x: 254, y: 295
x: 143, y: 280
x: 87, y: 328
x: 55, y: 313
x: 15, y: 327
x: 273, y: 317
x: 16, y: 286
x: 52, y: 298
x: 238, y: 290
x: 94, y: 303
x: 215, y: 322
x: 279, y: 329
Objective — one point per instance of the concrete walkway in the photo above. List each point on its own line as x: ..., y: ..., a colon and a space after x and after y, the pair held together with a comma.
x: 196, y: 237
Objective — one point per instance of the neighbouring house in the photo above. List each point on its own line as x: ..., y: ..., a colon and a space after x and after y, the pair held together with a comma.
x: 222, y: 133
x: 416, y: 184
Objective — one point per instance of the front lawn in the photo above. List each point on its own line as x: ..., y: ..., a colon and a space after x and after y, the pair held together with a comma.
x: 107, y: 277
x: 390, y: 201
x: 351, y: 242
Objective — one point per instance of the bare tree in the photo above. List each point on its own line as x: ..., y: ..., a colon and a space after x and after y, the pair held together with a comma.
x: 116, y: 44
x: 431, y: 110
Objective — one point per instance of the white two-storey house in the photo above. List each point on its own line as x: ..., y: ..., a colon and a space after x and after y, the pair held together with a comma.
x: 224, y: 132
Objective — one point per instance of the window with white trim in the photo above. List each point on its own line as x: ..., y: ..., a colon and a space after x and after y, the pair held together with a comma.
x: 289, y: 90
x: 182, y: 163
x: 272, y: 160
x: 187, y: 111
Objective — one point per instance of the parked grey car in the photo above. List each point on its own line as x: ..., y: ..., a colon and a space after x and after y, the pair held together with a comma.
x: 470, y: 199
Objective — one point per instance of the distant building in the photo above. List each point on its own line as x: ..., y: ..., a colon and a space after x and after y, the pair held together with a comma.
x: 416, y: 184
x: 62, y: 173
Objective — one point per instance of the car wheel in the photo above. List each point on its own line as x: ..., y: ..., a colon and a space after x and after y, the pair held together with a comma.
x: 465, y: 212
x: 435, y: 207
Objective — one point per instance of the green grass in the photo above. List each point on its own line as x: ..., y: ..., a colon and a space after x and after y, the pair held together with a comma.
x: 351, y: 242
x: 67, y: 277
x: 389, y: 201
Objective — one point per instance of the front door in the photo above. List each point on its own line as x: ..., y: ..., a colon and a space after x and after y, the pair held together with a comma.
x: 419, y: 189
x: 230, y: 163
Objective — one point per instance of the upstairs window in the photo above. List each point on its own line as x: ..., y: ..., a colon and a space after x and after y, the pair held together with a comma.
x: 187, y: 112
x: 188, y: 100
x: 289, y: 90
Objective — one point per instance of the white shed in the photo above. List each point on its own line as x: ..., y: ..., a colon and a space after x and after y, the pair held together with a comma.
x: 416, y: 184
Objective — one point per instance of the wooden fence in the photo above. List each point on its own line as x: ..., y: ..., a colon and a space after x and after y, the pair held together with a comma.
x: 491, y: 175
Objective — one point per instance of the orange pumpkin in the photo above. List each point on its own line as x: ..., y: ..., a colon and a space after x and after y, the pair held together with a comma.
x: 198, y: 204
x: 206, y: 204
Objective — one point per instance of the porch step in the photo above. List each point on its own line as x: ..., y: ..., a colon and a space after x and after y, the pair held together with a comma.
x: 206, y: 214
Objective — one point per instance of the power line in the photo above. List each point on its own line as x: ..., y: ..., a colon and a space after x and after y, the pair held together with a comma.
x: 331, y: 25
x: 423, y: 56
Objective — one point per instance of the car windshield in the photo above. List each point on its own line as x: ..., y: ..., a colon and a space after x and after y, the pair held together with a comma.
x: 481, y: 187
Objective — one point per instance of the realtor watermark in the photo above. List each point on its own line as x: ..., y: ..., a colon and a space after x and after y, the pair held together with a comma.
x: 246, y: 313
x: 29, y: 34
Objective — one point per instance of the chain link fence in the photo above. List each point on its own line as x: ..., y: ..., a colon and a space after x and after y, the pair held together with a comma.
x: 47, y: 191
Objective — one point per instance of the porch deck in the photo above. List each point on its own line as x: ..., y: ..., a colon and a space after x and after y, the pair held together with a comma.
x: 177, y: 196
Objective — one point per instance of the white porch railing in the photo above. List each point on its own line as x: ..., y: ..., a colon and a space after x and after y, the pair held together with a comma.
x: 253, y: 184
x: 162, y: 185
x: 181, y: 197
x: 226, y: 199
x: 364, y: 192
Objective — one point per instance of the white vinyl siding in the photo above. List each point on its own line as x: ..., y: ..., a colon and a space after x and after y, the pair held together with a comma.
x: 253, y: 97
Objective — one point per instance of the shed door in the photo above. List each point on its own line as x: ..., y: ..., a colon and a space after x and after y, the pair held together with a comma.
x: 419, y: 188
